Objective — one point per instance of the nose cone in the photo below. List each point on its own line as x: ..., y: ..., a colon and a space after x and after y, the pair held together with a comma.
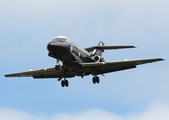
x: 50, y: 45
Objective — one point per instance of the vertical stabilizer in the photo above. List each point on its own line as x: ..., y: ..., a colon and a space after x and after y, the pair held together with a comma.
x: 98, y: 51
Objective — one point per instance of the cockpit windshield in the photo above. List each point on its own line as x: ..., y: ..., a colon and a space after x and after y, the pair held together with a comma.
x: 64, y: 40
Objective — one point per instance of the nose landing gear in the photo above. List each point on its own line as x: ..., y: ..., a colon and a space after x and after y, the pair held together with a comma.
x: 58, y: 67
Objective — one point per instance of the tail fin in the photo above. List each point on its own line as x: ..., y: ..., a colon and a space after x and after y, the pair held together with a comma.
x: 98, y: 51
x: 100, y: 43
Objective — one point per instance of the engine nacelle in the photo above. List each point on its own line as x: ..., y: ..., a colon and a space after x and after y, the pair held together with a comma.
x: 96, y: 58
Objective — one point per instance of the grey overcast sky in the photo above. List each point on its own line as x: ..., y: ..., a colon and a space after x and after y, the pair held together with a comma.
x: 27, y: 26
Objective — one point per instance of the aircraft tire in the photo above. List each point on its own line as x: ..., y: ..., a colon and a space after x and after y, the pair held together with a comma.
x: 94, y: 80
x: 66, y: 83
x: 58, y: 67
x: 62, y: 83
x: 97, y: 80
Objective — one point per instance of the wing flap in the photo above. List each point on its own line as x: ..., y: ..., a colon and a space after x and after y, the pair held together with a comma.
x: 106, y: 67
x: 126, y: 62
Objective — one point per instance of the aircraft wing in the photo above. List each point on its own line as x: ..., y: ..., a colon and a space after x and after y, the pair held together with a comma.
x: 108, y: 47
x: 42, y: 73
x: 85, y: 69
x: 106, y: 67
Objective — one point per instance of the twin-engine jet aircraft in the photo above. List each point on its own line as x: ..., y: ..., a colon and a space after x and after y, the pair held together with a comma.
x: 77, y: 61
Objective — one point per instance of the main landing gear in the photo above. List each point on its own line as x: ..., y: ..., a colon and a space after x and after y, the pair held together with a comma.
x: 96, y: 79
x: 64, y: 83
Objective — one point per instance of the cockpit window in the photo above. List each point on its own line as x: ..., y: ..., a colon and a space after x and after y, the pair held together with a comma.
x: 60, y: 40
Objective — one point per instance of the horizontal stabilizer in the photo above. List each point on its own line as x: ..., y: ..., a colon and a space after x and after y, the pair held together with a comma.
x: 108, y: 47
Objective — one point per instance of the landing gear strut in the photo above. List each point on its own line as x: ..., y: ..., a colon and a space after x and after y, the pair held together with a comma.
x: 58, y: 66
x: 64, y: 83
x: 96, y: 79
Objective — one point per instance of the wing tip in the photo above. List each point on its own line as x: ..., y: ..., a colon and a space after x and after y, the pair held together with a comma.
x: 158, y: 59
x: 161, y: 59
x: 7, y: 75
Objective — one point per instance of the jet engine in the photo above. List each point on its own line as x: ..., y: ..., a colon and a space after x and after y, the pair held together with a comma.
x: 96, y: 58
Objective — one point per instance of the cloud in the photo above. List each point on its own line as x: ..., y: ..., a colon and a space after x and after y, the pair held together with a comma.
x: 131, y: 10
x: 155, y: 111
x: 121, y: 18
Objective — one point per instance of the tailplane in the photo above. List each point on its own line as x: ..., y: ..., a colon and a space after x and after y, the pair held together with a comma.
x: 99, y: 49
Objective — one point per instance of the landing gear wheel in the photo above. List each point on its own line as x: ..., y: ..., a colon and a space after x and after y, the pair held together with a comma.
x: 64, y: 83
x: 58, y: 67
x: 96, y: 80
